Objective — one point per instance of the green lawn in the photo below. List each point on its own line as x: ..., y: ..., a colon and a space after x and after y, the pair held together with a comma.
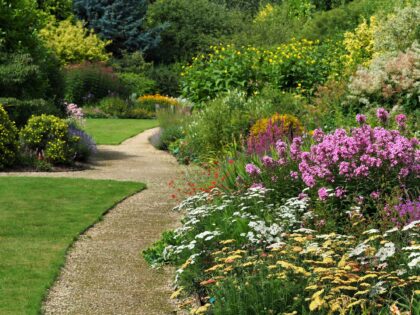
x: 39, y: 219
x: 115, y: 131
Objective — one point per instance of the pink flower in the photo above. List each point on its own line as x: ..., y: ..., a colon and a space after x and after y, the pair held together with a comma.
x: 294, y: 175
x: 281, y: 148
x: 382, y: 115
x: 323, y: 193
x: 339, y: 192
x: 375, y: 195
x: 361, y: 119
x: 257, y: 186
x: 318, y: 135
x: 252, y: 170
x: 401, y: 119
x: 267, y: 161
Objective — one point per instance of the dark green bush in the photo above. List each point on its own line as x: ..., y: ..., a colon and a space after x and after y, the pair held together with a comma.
x: 47, y: 137
x: 88, y: 83
x: 192, y: 26
x: 8, y: 140
x: 167, y: 79
x: 21, y: 110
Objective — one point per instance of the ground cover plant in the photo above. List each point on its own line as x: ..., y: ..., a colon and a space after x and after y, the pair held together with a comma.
x: 115, y: 131
x: 40, y: 219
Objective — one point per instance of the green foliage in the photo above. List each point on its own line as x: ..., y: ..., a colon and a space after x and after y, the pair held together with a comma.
x: 298, y: 66
x: 23, y: 77
x: 167, y: 78
x: 221, y: 123
x: 131, y: 63
x: 21, y: 110
x: 47, y: 137
x: 114, y: 106
x: 73, y: 43
x: 332, y: 23
x: 137, y: 83
x: 192, y: 26
x: 89, y: 83
x: 153, y: 254
x: 60, y: 9
x: 8, y: 140
x: 19, y: 20
x: 398, y: 30
x: 121, y: 21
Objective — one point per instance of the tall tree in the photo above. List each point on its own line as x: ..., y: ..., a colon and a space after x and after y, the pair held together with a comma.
x: 121, y: 21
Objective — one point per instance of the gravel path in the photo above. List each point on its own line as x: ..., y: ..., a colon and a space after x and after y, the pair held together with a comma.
x: 104, y: 271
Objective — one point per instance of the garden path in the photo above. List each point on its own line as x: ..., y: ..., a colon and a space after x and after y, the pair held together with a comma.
x: 104, y: 271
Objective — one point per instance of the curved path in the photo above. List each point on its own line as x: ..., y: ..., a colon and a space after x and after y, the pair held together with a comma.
x: 104, y: 271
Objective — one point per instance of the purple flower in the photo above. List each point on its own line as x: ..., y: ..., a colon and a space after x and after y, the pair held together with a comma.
x: 382, y: 115
x: 375, y: 195
x: 294, y: 175
x: 318, y: 135
x: 339, y: 192
x: 267, y: 161
x: 302, y: 196
x: 323, y: 193
x: 295, y: 147
x: 252, y: 170
x: 361, y: 119
x: 281, y: 148
x: 257, y: 186
x: 401, y: 119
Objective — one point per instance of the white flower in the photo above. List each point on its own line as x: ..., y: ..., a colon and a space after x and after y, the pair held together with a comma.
x: 414, y: 263
x: 411, y: 225
x: 371, y: 231
x: 359, y: 250
x: 388, y: 250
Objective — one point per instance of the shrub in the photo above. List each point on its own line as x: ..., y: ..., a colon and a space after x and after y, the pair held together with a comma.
x: 398, y: 31
x: 114, y: 106
x: 8, y: 140
x: 167, y: 79
x: 221, y: 123
x: 88, y: 83
x: 47, y: 137
x: 389, y: 80
x: 85, y: 146
x: 72, y: 43
x: 297, y: 66
x: 20, y: 110
x: 137, y: 84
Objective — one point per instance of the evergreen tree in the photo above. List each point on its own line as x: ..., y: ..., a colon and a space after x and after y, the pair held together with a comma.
x: 121, y: 21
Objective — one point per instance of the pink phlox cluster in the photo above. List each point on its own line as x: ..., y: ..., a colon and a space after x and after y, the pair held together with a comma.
x: 358, y: 154
x: 74, y: 111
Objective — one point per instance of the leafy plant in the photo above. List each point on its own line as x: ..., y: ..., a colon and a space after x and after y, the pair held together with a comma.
x: 47, y: 137
x: 73, y: 43
x: 8, y: 140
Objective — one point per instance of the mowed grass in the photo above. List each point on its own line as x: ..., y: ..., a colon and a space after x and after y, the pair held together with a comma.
x: 39, y: 219
x: 115, y: 131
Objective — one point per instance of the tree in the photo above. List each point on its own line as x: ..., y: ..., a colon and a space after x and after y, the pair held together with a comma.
x: 192, y: 26
x: 61, y: 9
x: 121, y: 21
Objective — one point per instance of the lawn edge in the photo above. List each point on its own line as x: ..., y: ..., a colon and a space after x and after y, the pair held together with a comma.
x: 56, y: 276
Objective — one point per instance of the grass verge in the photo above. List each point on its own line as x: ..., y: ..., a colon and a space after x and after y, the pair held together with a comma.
x: 115, y: 131
x: 39, y: 219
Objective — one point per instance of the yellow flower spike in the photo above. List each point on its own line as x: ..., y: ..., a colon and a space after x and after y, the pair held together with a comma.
x: 214, y: 268
x: 368, y: 276
x: 312, y: 287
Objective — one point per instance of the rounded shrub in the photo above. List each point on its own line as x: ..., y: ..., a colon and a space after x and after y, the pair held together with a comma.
x: 114, y: 106
x: 47, y: 137
x: 8, y: 140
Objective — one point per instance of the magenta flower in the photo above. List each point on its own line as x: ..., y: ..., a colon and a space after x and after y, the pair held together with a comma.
x: 281, y: 148
x: 294, y: 175
x: 252, y: 170
x: 361, y: 119
x: 318, y: 135
x: 375, y: 195
x: 339, y: 192
x: 323, y: 193
x: 382, y: 115
x: 268, y: 161
x: 401, y: 119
